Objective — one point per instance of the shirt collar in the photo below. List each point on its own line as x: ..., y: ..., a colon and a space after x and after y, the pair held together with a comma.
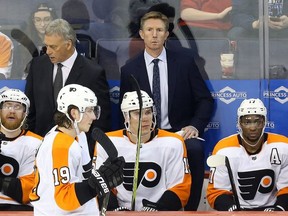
x: 70, y: 61
x: 148, y: 58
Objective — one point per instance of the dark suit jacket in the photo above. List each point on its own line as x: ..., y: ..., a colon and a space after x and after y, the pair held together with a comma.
x: 189, y: 99
x: 39, y: 89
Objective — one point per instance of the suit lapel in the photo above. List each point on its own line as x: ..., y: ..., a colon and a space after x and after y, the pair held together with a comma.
x: 172, y: 76
x: 47, y: 74
x: 75, y: 71
x: 142, y: 76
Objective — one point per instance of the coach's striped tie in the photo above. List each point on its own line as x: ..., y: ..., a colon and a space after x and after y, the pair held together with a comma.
x: 156, y: 90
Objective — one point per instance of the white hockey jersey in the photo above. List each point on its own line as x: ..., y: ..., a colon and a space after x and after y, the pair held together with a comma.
x: 259, y: 178
x: 163, y: 166
x: 17, y: 157
x: 61, y: 162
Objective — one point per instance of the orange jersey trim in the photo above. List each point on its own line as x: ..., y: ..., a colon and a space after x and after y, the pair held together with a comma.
x: 65, y: 195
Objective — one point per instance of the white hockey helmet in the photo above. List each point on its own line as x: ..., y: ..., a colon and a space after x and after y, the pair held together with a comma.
x: 252, y: 107
x: 130, y: 101
x: 77, y: 95
x: 15, y: 95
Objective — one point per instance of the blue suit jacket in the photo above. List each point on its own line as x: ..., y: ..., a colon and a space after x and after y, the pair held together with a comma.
x: 189, y: 99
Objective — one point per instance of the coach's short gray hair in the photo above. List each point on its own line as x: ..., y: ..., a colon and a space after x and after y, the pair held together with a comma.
x: 62, y: 28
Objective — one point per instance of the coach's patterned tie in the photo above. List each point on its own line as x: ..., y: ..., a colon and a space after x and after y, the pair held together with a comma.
x: 58, y: 82
x: 156, y: 90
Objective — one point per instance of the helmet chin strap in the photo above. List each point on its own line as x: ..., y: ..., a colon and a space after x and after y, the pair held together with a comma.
x: 127, y: 125
x: 75, y: 122
x: 249, y: 143
x: 14, y: 130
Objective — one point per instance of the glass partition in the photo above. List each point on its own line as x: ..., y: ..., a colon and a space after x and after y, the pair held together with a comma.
x: 240, y: 52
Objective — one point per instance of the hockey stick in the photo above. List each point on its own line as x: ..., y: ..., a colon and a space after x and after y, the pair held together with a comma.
x: 138, y: 143
x: 99, y: 136
x: 23, y: 39
x: 222, y: 160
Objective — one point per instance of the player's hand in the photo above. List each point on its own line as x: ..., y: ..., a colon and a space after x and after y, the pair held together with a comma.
x: 149, y: 206
x: 108, y: 176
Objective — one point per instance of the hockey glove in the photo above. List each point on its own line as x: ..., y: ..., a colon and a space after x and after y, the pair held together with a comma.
x: 272, y: 209
x: 122, y: 209
x: 149, y: 206
x: 108, y: 176
x: 4, y: 184
x: 234, y: 208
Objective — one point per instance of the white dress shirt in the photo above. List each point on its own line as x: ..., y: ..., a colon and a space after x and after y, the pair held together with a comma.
x: 163, y: 72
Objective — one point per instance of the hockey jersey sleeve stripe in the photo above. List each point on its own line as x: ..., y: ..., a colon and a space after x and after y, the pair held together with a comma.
x: 5, y: 198
x: 213, y: 194
x: 283, y: 191
x: 27, y: 183
x: 182, y: 190
x: 65, y: 194
x: 87, y: 170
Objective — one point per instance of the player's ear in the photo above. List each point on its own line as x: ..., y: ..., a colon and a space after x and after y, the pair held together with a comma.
x: 75, y: 114
x: 166, y: 35
x: 69, y: 44
x: 141, y: 34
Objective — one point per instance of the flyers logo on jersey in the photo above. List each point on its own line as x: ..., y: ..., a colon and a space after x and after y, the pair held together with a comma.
x: 250, y: 183
x: 149, y: 174
x: 9, y: 167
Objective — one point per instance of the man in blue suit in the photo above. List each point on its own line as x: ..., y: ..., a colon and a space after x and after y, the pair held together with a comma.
x: 186, y: 103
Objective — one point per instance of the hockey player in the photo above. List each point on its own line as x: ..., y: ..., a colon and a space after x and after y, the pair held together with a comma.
x: 164, y: 178
x: 17, y: 152
x: 64, y: 182
x: 259, y: 164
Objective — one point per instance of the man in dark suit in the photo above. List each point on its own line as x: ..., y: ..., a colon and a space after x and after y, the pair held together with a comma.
x: 186, y: 103
x: 60, y: 41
